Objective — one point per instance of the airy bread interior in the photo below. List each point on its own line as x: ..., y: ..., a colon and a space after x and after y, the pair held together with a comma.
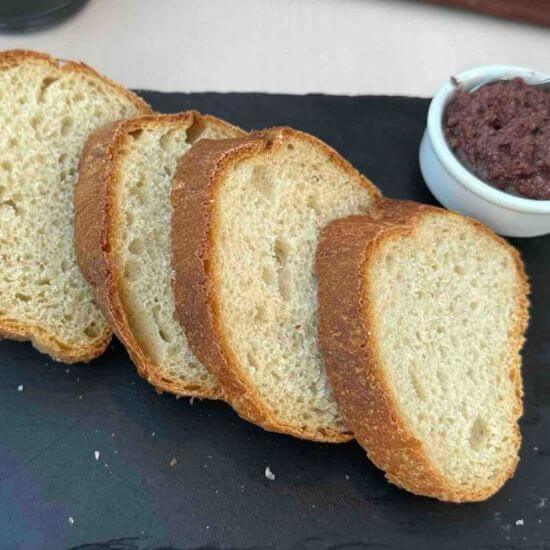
x: 446, y: 310
x: 46, y: 114
x: 142, y: 234
x: 269, y: 212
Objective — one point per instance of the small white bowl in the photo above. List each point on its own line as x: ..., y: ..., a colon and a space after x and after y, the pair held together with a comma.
x: 456, y: 187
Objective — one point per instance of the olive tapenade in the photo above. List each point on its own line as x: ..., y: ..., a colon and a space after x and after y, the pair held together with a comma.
x: 501, y: 132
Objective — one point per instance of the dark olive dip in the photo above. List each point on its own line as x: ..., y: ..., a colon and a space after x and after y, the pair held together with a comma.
x: 501, y: 132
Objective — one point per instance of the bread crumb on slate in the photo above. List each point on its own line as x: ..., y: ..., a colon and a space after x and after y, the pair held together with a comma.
x: 269, y: 474
x: 20, y: 387
x: 520, y: 522
x: 71, y: 520
x: 97, y: 454
x: 173, y: 462
x: 542, y: 502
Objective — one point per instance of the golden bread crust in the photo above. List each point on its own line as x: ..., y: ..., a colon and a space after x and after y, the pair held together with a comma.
x: 42, y: 339
x: 353, y: 361
x: 199, y: 175
x: 95, y: 230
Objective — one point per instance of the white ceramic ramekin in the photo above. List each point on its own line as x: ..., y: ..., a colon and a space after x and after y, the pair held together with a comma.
x: 459, y: 189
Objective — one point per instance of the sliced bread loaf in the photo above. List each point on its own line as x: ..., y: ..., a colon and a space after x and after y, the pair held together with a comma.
x: 422, y: 314
x: 47, y: 110
x: 247, y: 214
x: 122, y: 233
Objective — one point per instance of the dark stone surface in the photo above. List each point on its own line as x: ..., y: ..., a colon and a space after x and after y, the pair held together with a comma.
x: 216, y: 495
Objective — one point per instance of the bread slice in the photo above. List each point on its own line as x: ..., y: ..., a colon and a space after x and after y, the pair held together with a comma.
x: 247, y: 213
x: 122, y: 235
x: 422, y: 314
x: 48, y: 108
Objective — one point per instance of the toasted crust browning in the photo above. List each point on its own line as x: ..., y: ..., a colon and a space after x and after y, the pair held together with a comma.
x: 199, y: 175
x: 95, y: 242
x: 46, y: 342
x: 15, y: 329
x: 11, y: 58
x: 346, y: 321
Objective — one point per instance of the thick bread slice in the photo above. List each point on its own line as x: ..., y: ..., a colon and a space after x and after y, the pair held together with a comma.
x: 48, y: 108
x: 247, y: 215
x: 122, y: 234
x: 422, y: 314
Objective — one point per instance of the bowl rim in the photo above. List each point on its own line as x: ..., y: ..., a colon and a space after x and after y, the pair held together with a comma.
x: 469, y: 79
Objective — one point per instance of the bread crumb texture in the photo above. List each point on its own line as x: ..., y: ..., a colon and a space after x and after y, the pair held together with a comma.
x: 270, y: 211
x: 448, y: 313
x: 46, y: 114
x: 142, y: 233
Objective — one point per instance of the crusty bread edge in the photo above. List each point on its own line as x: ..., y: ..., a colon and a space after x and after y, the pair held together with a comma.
x: 42, y: 339
x: 95, y: 233
x: 366, y: 399
x: 198, y: 178
x: 10, y: 58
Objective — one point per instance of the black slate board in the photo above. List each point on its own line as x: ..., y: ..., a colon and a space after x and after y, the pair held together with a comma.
x: 216, y: 495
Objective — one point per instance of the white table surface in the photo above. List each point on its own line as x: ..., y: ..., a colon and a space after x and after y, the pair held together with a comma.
x: 295, y: 46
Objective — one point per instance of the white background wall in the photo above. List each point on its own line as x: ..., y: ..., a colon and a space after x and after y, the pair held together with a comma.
x: 331, y: 46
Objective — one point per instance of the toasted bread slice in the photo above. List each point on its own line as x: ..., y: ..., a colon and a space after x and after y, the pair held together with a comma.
x: 422, y: 314
x: 247, y: 213
x: 122, y: 233
x: 48, y: 108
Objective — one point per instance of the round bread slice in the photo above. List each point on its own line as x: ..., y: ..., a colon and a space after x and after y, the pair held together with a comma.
x: 422, y: 315
x: 247, y: 214
x: 122, y: 235
x: 48, y: 107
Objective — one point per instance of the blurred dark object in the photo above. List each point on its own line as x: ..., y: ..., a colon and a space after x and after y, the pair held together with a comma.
x: 532, y: 11
x: 30, y: 15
